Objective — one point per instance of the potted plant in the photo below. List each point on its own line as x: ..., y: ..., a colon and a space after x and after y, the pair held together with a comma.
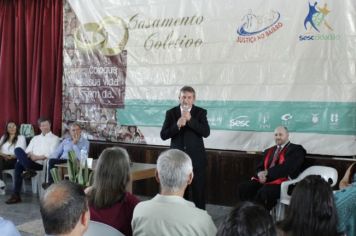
x: 77, y: 172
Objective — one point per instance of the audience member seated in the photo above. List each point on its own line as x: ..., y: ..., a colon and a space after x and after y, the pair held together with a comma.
x: 39, y: 149
x: 312, y: 210
x: 349, y: 177
x: 64, y: 209
x: 8, y: 142
x: 345, y: 201
x: 74, y: 143
x: 281, y: 162
x: 247, y: 219
x: 109, y: 201
x: 168, y: 213
x: 8, y: 228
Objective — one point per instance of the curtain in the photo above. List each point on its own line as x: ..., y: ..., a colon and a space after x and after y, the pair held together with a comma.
x: 31, y: 61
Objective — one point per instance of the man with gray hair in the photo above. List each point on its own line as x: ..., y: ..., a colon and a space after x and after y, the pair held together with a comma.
x: 76, y: 142
x: 64, y: 209
x: 168, y: 213
x: 186, y: 125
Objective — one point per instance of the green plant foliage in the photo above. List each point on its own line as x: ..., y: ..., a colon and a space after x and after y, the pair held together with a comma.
x: 76, y: 173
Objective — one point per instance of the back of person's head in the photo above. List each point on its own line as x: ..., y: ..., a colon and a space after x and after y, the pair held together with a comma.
x: 247, y: 219
x: 312, y: 209
x: 64, y: 209
x: 174, y: 169
x: 111, y: 177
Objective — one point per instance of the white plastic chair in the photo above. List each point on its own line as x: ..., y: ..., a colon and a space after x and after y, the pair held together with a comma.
x: 329, y: 174
x: 97, y: 228
x: 34, y: 180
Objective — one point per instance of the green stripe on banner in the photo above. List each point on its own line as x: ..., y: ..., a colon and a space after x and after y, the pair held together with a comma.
x: 259, y: 116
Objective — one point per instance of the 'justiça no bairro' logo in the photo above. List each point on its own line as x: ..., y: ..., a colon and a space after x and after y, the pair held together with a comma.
x: 258, y: 27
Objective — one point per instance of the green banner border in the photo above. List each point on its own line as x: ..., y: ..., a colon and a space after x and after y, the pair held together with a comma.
x: 257, y: 116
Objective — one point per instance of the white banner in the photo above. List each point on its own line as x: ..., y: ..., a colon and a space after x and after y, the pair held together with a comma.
x: 254, y: 64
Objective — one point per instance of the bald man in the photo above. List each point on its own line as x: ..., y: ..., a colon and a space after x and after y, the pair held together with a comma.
x: 282, y: 161
x: 64, y: 209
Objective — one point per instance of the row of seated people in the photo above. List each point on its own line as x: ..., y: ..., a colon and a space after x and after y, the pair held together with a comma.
x: 284, y: 158
x: 312, y: 210
x: 45, y: 146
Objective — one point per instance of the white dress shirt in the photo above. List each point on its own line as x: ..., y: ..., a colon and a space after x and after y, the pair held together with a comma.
x: 43, y: 145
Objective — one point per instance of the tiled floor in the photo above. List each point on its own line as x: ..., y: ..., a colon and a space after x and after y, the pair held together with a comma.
x: 28, y: 210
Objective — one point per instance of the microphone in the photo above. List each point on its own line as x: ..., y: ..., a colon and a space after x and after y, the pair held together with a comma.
x: 185, y: 108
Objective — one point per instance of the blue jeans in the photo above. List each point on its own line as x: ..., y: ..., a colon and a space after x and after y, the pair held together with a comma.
x: 23, y: 163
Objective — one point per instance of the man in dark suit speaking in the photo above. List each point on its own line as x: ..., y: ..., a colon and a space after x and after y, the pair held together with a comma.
x: 186, y: 125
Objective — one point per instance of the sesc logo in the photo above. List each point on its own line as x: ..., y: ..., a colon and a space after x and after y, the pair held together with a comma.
x: 315, y: 23
x: 306, y: 37
x: 240, y: 121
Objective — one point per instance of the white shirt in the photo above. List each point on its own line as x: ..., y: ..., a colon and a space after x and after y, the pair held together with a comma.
x: 171, y: 215
x: 43, y: 145
x: 283, y: 145
x: 185, y: 110
x: 8, y: 148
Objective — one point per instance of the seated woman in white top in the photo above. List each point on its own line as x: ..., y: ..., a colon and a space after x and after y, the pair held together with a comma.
x: 8, y: 142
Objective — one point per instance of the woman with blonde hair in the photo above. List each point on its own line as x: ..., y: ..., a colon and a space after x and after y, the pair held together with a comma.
x: 109, y: 200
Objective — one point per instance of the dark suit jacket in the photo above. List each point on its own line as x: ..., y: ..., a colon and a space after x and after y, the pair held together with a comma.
x: 189, y: 138
x: 294, y: 158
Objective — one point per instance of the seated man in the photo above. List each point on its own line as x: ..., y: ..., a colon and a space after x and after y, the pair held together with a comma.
x: 168, y: 213
x: 64, y: 209
x: 39, y: 149
x: 282, y: 161
x: 74, y: 143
